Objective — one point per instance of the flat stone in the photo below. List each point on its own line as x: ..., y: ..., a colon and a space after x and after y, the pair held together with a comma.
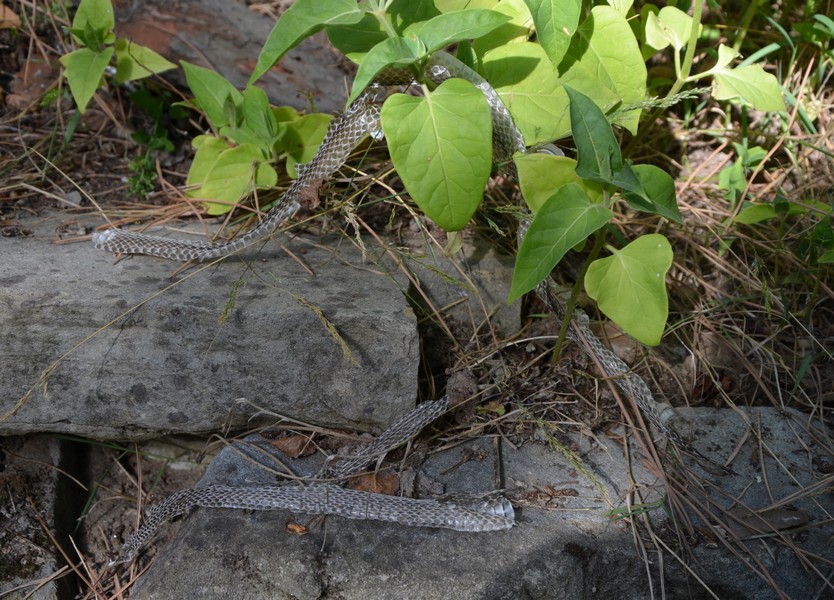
x: 565, y: 543
x: 227, y: 37
x: 130, y: 351
x: 471, y: 287
x: 30, y: 480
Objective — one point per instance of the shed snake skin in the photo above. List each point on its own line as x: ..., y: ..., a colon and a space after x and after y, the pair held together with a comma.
x: 479, y: 513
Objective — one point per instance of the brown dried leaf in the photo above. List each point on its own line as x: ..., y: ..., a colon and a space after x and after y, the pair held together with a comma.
x: 383, y: 482
x: 296, y: 529
x: 295, y: 446
x: 8, y: 18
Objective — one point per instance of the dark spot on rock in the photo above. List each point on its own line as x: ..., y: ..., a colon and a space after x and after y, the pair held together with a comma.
x: 177, y: 418
x: 139, y: 392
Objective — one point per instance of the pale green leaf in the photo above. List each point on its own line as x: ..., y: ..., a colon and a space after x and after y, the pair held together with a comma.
x: 134, y: 61
x: 752, y: 84
x: 209, y: 148
x: 621, y: 6
x: 518, y: 29
x: 84, y: 69
x: 630, y: 287
x: 451, y: 27
x: 528, y: 85
x: 302, y: 139
x: 441, y: 146
x: 604, y: 63
x: 302, y: 19
x: 232, y: 177
x: 670, y: 26
x: 540, y: 175
x: 556, y: 22
x: 96, y: 16
x: 726, y: 55
x: 564, y: 220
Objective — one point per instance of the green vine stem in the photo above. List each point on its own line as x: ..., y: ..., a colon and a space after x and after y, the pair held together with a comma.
x: 578, y: 286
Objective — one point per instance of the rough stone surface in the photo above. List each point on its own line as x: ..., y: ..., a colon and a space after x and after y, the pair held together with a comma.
x: 228, y: 37
x: 28, y: 473
x: 471, y: 287
x: 170, y: 363
x: 570, y: 550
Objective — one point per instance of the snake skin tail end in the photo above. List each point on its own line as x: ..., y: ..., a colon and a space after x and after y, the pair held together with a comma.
x: 100, y: 238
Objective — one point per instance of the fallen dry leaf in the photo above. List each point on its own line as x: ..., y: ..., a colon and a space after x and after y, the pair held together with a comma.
x: 295, y: 446
x: 8, y: 19
x: 384, y: 482
x: 296, y: 529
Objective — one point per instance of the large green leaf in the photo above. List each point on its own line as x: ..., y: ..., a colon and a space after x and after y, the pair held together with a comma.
x: 447, y: 28
x: 356, y: 39
x: 540, y: 175
x: 630, y: 287
x: 301, y: 20
x: 84, y: 69
x: 604, y: 62
x: 750, y: 83
x: 404, y: 13
x: 257, y: 115
x: 599, y: 156
x: 556, y: 22
x: 390, y: 51
x: 302, y: 138
x: 441, y: 146
x: 213, y: 93
x: 528, y: 85
x: 518, y: 29
x: 567, y: 218
x: 134, y: 61
x: 233, y: 175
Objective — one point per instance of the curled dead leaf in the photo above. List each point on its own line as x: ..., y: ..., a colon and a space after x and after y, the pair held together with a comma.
x: 296, y: 529
x: 295, y: 446
x: 383, y: 482
x: 8, y: 18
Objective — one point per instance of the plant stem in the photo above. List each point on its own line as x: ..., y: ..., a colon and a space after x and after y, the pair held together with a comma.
x: 688, y: 57
x: 741, y: 32
x: 378, y: 10
x: 599, y: 242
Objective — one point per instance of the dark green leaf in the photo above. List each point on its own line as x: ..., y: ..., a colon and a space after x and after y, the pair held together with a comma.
x: 213, y: 93
x: 301, y: 20
x: 599, y: 157
x: 563, y: 221
x: 391, y: 51
x: 451, y: 27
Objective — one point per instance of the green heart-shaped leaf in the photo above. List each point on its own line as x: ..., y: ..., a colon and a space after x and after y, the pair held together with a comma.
x: 441, y: 146
x: 630, y: 287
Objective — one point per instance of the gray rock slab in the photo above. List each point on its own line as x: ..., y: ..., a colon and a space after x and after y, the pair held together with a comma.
x: 570, y: 549
x: 471, y: 287
x: 228, y: 37
x: 222, y: 553
x: 29, y: 478
x: 133, y: 352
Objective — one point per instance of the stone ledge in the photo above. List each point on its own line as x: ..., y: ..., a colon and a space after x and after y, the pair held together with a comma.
x: 169, y: 365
